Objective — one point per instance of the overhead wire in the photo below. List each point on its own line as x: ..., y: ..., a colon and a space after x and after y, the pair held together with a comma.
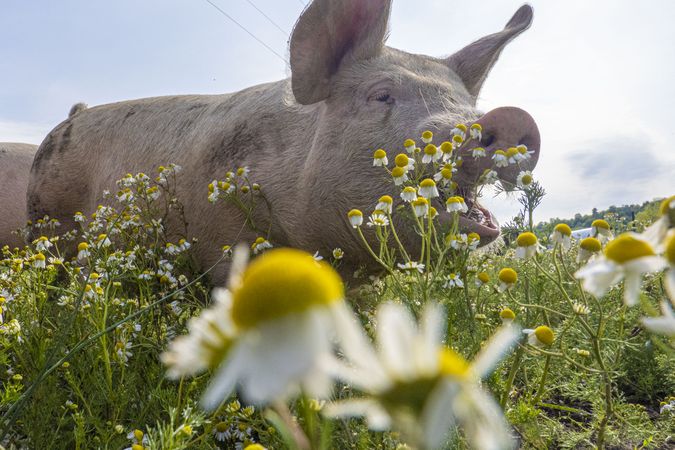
x: 269, y: 19
x: 260, y: 41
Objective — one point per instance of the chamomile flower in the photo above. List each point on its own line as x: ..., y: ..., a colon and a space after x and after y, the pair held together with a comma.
x: 417, y: 386
x: 476, y: 131
x: 380, y: 158
x: 656, y: 232
x: 669, y: 255
x: 626, y: 257
x: 409, y: 146
x: 507, y: 279
x: 420, y: 206
x: 489, y: 177
x: 378, y: 218
x: 409, y: 194
x: 459, y: 130
x: 39, y: 261
x: 446, y: 150
x: 457, y: 141
x: 270, y: 332
x: 580, y: 309
x: 385, y: 203
x: 431, y: 154
x: 540, y: 337
x: 338, y: 254
x: 507, y: 316
x: 478, y: 152
x: 42, y: 244
x: 427, y: 137
x: 482, y: 278
x: 525, y: 154
x: 524, y: 179
x: 399, y: 175
x: 512, y: 155
x: 428, y: 188
x: 600, y: 229
x: 588, y: 247
x: 103, y: 241
x: 500, y: 159
x: 456, y: 204
x: 214, y: 192
x: 562, y: 234
x: 404, y: 162
x: 355, y: 218
x: 444, y: 176
x: 411, y: 266
x: 527, y: 245
x: 260, y: 244
x: 82, y: 250
x: 663, y: 324
x: 453, y: 281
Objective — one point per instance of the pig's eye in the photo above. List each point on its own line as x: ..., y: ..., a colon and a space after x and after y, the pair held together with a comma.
x: 382, y: 96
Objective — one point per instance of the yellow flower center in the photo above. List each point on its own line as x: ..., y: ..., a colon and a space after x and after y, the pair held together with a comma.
x: 409, y: 143
x: 427, y: 135
x: 508, y: 275
x: 507, y: 313
x: 563, y: 229
x: 354, y: 212
x: 512, y: 151
x: 446, y: 174
x: 427, y: 183
x: 82, y: 246
x: 500, y: 152
x: 446, y: 147
x: 379, y: 154
x: 526, y: 239
x: 526, y: 179
x: 599, y: 223
x: 451, y: 363
x: 254, y: 447
x: 401, y: 160
x: 591, y: 244
x: 627, y: 248
x: 386, y: 199
x: 544, y: 334
x: 477, y: 126
x: 420, y: 201
x: 670, y: 250
x: 484, y: 277
x: 409, y: 190
x: 473, y: 237
x: 138, y: 434
x: 455, y: 199
x: 137, y: 447
x: 40, y: 257
x: 430, y: 150
x: 102, y: 237
x: 283, y: 282
x: 397, y: 172
x: 457, y: 139
x: 221, y: 427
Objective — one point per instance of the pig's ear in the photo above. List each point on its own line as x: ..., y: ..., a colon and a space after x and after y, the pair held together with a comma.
x: 329, y: 31
x: 473, y: 62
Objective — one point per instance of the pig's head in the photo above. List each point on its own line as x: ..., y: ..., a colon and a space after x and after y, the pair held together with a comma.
x: 365, y: 95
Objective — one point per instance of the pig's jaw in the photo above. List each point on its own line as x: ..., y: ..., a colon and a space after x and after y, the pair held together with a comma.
x: 477, y: 219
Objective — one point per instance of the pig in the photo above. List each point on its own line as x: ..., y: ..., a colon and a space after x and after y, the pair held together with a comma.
x: 15, y: 163
x: 308, y: 140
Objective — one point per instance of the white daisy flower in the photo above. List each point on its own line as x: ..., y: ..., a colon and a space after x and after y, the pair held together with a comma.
x: 656, y: 232
x: 513, y: 156
x: 82, y: 251
x: 478, y: 152
x: 562, y: 234
x: 588, y: 247
x: 507, y: 279
x: 271, y: 332
x: 214, y: 192
x: 378, y: 218
x: 420, y: 206
x: 428, y: 188
x: 540, y: 337
x: 476, y: 131
x: 399, y: 175
x: 525, y: 154
x: 507, y: 316
x: 446, y: 149
x: 409, y: 194
x: 338, y: 253
x: 444, y: 176
x: 431, y: 154
x: 423, y: 389
x: 385, y: 204
x: 260, y: 244
x: 524, y: 179
x: 500, y: 158
x: 409, y: 146
x: 664, y: 324
x: 42, y: 244
x: 528, y: 245
x: 626, y: 257
x: 39, y: 261
x: 456, y: 204
x: 427, y: 137
x: 380, y: 158
x: 453, y: 280
x: 600, y: 229
x: 459, y: 130
x: 411, y: 266
x: 355, y: 218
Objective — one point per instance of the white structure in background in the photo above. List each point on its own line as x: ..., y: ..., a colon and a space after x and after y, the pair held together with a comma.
x: 581, y: 233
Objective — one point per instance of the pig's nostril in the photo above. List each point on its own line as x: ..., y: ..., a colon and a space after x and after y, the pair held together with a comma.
x: 487, y: 139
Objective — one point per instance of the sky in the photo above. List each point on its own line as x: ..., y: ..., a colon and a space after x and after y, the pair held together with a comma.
x: 597, y: 76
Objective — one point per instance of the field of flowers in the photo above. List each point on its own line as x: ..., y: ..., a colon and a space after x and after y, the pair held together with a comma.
x: 547, y: 342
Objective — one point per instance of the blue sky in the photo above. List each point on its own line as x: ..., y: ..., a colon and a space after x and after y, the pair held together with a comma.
x: 597, y: 76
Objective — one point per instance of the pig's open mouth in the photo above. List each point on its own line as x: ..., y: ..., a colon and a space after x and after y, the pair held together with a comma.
x: 477, y: 219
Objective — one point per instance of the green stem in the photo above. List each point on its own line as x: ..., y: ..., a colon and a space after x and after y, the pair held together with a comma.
x: 542, y: 382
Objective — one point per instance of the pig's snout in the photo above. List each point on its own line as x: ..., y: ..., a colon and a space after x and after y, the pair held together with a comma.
x: 504, y: 128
